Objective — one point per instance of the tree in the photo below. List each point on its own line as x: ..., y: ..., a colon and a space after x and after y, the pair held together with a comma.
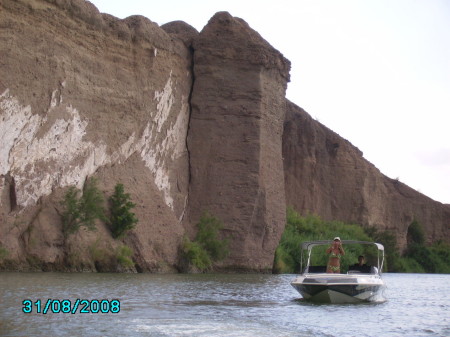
x: 84, y: 210
x: 122, y: 219
x: 71, y: 214
x: 91, y: 204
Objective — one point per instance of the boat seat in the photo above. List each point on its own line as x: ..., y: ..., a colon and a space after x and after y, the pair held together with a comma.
x: 317, y: 269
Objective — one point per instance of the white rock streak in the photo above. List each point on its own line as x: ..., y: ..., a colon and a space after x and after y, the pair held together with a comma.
x: 42, y: 153
x: 156, y: 147
x: 59, y: 157
x: 165, y: 102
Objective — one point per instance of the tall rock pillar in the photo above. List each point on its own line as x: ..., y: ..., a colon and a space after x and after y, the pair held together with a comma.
x: 235, y: 139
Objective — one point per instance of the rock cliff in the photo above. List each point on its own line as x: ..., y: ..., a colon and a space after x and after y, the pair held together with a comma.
x: 86, y: 94
x: 327, y: 175
x: 234, y: 138
x: 188, y: 122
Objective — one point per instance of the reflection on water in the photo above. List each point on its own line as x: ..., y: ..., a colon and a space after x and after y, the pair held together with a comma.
x: 219, y: 305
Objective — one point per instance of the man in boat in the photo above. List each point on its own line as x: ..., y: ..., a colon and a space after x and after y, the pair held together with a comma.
x: 361, y: 261
x: 361, y: 266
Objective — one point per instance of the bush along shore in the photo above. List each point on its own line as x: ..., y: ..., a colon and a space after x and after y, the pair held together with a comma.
x: 207, y: 248
x: 417, y: 258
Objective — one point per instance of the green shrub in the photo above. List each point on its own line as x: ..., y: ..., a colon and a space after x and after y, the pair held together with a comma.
x: 409, y: 265
x: 284, y: 262
x: 122, y: 219
x: 72, y: 214
x: 311, y: 228
x: 123, y: 255
x: 432, y: 259
x: 416, y: 234
x: 84, y: 210
x: 207, y: 247
x: 196, y: 254
x: 3, y: 252
x: 392, y: 254
x: 208, y: 229
x: 442, y: 250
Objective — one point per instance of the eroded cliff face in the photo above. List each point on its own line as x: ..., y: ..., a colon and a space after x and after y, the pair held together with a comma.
x: 235, y: 138
x: 328, y: 176
x: 85, y: 94
x: 189, y: 122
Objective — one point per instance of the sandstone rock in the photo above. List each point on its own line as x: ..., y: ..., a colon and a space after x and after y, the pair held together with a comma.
x: 328, y: 176
x: 235, y: 138
x: 80, y: 93
x: 181, y: 30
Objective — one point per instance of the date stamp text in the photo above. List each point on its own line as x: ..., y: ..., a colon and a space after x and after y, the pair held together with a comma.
x: 71, y: 307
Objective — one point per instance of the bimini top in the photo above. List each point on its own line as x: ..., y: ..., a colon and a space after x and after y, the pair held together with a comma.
x: 310, y: 244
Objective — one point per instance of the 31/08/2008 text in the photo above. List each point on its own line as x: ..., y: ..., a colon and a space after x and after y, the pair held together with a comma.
x: 66, y: 306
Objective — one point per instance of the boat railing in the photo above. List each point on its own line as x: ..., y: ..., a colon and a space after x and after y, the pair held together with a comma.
x: 351, y: 270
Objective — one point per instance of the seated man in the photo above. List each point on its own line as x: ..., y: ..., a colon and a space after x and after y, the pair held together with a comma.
x: 361, y: 266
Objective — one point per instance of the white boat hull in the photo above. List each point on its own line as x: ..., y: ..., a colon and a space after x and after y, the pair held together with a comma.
x: 340, y: 288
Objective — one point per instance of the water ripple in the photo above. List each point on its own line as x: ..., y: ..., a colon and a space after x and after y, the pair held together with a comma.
x: 220, y: 305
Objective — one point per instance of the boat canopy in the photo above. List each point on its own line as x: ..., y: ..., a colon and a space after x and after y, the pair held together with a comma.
x: 310, y: 244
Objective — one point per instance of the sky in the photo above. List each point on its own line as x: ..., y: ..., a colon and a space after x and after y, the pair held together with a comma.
x: 377, y: 72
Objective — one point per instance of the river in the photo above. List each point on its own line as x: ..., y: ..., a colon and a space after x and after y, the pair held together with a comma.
x: 212, y: 305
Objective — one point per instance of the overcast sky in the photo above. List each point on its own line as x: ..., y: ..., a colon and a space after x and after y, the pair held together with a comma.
x: 377, y: 72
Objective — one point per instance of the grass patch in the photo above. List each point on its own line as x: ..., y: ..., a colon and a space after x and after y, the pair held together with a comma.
x: 123, y: 256
x: 97, y: 253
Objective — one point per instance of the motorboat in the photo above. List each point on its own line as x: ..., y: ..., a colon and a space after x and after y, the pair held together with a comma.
x: 356, y: 284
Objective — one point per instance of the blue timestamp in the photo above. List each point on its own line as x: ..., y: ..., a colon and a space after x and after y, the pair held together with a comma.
x: 71, y: 307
